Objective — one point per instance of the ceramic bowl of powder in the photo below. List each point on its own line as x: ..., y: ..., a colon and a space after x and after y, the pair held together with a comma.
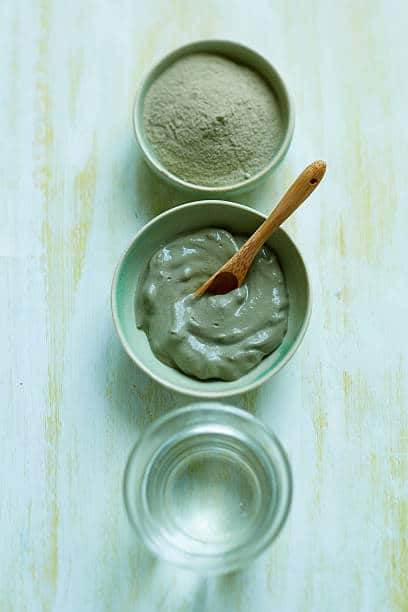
x: 213, y: 117
x: 181, y: 221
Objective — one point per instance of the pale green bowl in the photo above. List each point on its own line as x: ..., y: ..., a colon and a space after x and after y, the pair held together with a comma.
x: 243, y: 55
x: 183, y: 219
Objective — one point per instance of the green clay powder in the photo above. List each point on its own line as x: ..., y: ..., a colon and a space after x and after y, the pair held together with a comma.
x: 211, y: 121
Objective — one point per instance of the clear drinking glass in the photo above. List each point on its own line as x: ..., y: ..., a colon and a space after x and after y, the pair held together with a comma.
x: 208, y: 487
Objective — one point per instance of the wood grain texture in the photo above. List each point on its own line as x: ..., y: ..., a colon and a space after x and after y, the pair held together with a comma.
x: 74, y: 192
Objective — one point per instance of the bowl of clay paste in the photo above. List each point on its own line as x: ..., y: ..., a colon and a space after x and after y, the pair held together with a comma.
x: 184, y: 219
x: 241, y: 55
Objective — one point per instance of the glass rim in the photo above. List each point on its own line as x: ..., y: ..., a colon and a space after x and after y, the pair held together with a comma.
x: 234, y: 558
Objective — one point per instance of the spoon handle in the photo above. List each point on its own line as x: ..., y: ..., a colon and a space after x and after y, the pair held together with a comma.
x: 303, y: 186
x: 233, y: 273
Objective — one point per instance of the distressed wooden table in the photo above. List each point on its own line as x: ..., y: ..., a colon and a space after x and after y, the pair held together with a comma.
x: 74, y: 192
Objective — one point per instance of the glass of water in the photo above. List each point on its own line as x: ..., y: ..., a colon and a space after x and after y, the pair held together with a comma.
x: 208, y: 487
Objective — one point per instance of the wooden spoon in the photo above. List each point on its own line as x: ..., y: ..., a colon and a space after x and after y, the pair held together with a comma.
x: 232, y: 274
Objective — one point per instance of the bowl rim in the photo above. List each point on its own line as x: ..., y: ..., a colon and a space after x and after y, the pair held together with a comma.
x: 195, y: 47
x: 174, y: 386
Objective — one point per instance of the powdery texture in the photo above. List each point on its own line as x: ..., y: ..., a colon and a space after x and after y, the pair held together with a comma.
x: 211, y: 121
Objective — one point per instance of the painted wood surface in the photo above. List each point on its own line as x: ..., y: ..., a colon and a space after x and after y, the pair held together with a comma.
x: 74, y: 192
